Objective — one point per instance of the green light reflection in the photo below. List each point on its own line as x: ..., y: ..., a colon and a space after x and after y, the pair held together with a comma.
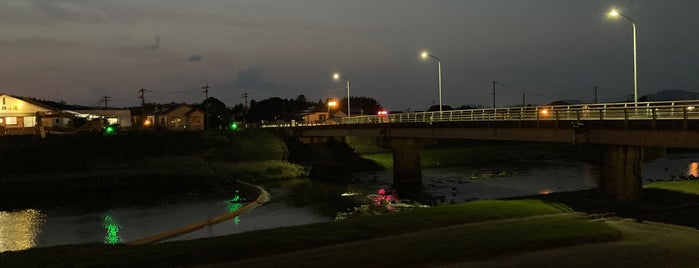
x: 235, y: 204
x: 112, y: 236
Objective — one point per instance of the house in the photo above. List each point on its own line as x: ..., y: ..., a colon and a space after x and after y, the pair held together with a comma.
x: 179, y: 117
x: 19, y: 115
x: 120, y: 117
x: 320, y: 114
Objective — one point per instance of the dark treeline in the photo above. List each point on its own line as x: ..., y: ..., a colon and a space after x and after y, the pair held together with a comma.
x: 278, y: 109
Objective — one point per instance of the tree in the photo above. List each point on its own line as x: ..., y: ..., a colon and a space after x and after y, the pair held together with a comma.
x: 368, y: 106
x: 217, y: 114
x: 275, y: 108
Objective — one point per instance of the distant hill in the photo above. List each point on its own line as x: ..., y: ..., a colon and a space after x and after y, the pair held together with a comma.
x: 670, y: 94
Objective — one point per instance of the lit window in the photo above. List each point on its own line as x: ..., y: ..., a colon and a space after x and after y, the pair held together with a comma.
x: 11, y: 120
x: 29, y: 121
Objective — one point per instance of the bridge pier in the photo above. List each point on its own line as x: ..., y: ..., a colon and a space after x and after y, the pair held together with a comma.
x: 407, y: 168
x: 620, y: 173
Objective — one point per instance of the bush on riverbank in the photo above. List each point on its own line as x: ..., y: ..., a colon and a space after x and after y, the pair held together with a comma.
x: 94, y: 151
x: 136, y: 168
x: 330, y: 161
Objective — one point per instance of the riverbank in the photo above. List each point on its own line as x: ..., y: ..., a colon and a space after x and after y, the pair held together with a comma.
x: 266, y: 243
x: 537, y: 233
x: 508, y: 229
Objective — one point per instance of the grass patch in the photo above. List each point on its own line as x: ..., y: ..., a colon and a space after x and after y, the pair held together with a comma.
x: 259, y: 170
x: 442, y: 246
x: 268, y: 242
x: 689, y: 186
x: 384, y: 160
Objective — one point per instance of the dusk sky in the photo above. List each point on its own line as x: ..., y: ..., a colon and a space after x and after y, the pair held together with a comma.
x: 81, y: 50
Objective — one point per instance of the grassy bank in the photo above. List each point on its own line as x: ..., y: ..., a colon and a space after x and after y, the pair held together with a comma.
x: 512, y: 236
x: 452, y: 153
x: 688, y: 186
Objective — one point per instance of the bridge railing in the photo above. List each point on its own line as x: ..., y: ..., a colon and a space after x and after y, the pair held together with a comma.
x: 659, y: 110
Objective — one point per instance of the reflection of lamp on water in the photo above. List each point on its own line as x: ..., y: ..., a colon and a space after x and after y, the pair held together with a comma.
x: 693, y: 170
x: 546, y: 191
x: 19, y: 230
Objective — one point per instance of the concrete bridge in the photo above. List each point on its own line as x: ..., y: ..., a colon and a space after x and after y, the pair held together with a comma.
x: 624, y: 131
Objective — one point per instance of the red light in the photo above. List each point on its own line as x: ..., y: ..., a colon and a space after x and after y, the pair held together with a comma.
x: 382, y: 191
x: 382, y: 113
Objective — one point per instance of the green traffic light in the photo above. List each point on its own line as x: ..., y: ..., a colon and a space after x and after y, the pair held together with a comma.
x: 234, y: 126
x: 109, y: 129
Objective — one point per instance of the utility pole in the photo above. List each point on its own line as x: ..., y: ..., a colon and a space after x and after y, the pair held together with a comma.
x: 245, y: 107
x: 245, y: 96
x: 524, y: 100
x: 106, y: 101
x: 494, y: 82
x: 206, y: 89
x: 595, y: 94
x: 142, y: 92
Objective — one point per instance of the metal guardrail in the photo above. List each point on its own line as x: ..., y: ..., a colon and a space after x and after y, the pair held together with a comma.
x: 658, y: 110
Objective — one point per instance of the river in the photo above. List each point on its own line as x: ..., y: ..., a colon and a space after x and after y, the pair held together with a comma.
x: 301, y: 201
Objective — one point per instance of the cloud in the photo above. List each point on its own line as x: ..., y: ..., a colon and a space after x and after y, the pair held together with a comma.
x: 251, y: 79
x: 195, y: 58
x: 63, y: 10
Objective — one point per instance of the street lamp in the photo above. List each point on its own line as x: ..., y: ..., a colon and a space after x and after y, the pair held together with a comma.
x: 331, y: 105
x: 424, y: 55
x: 337, y: 76
x: 615, y: 14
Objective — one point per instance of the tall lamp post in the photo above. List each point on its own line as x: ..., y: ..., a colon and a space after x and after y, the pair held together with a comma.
x: 337, y: 76
x: 425, y: 55
x: 615, y: 14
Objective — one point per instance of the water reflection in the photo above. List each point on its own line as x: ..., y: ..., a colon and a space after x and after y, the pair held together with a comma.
x: 19, y: 230
x: 693, y: 169
x: 235, y: 204
x: 112, y: 236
